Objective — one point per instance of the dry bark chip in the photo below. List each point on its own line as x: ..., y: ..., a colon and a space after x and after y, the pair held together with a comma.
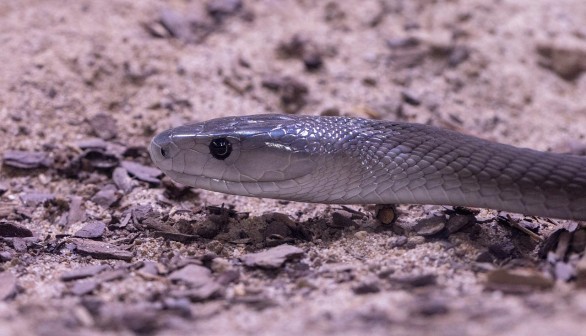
x: 83, y: 272
x: 26, y: 160
x: 8, y: 287
x: 104, y: 126
x: 107, y: 196
x: 342, y: 219
x: 100, y: 250
x: 84, y: 287
x: 76, y: 212
x: 92, y: 143
x: 33, y: 199
x: 192, y: 275
x: 12, y: 229
x: 149, y: 269
x: 174, y: 190
x: 99, y: 159
x: 142, y: 172
x: 517, y: 281
x: 112, y: 275
x: 458, y: 222
x: 92, y: 230
x: 430, y: 226
x: 204, y: 292
x: 272, y: 258
x: 122, y: 180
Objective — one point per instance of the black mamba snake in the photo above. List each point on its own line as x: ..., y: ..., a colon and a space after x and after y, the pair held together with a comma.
x: 358, y: 161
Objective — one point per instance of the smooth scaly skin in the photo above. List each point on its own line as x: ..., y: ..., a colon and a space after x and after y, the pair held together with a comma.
x: 358, y: 161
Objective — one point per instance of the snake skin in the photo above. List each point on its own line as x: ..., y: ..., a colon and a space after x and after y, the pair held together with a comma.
x: 358, y: 161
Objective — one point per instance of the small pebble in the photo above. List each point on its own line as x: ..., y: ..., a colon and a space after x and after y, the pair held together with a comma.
x: 396, y: 241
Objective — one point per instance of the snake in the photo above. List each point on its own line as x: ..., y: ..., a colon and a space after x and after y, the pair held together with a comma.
x: 346, y: 160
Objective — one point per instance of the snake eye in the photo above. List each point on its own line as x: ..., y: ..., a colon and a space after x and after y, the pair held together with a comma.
x: 220, y: 148
x: 164, y: 152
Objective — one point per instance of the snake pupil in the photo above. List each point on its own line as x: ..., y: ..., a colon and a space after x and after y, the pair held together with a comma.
x: 164, y: 152
x: 220, y: 148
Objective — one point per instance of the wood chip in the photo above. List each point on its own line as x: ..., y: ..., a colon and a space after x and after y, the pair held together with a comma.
x: 142, y: 172
x: 272, y: 258
x: 13, y: 229
x: 100, y: 250
x: 342, y: 219
x: 192, y: 275
x: 204, y: 292
x: 76, y: 211
x: 517, y: 281
x: 99, y: 159
x: 107, y: 196
x: 26, y: 160
x: 32, y: 199
x: 83, y: 272
x: 84, y: 287
x: 93, y: 143
x: 91, y: 230
x: 122, y: 180
x: 430, y: 226
x: 458, y: 222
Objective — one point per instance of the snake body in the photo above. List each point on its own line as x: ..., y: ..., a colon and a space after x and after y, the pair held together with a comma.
x: 359, y: 161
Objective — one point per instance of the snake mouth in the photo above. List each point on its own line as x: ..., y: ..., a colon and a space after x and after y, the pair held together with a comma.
x: 271, y: 189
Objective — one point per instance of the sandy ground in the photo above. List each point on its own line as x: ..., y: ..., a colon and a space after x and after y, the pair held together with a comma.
x: 510, y: 71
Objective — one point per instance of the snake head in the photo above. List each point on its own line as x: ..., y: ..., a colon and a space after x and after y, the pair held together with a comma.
x: 234, y: 155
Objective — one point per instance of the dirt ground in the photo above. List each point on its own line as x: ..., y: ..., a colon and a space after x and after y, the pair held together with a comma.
x: 94, y: 241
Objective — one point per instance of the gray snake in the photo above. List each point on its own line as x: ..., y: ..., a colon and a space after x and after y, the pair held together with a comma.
x: 359, y: 161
